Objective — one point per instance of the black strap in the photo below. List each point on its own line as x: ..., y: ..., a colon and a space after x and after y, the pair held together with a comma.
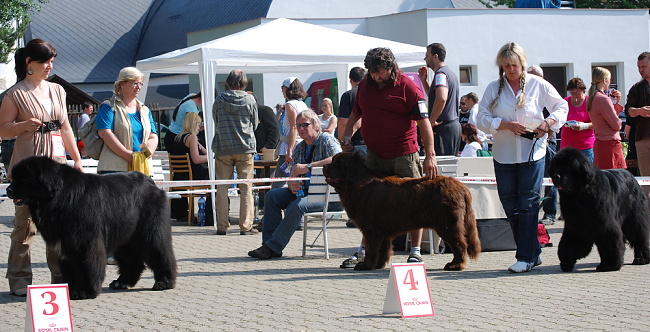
x: 311, y: 154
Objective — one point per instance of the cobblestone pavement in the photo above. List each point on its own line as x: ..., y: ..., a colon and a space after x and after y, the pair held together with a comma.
x: 219, y: 288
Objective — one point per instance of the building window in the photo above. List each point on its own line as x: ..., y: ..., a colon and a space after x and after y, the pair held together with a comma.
x: 466, y: 75
x: 557, y: 76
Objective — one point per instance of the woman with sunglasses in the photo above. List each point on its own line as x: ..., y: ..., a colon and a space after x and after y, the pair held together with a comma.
x: 316, y: 150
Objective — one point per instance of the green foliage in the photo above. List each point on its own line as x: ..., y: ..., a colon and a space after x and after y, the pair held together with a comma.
x: 600, y: 4
x: 613, y: 4
x: 492, y: 4
x: 12, y: 11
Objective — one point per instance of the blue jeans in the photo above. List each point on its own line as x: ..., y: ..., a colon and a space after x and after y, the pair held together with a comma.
x: 361, y: 149
x: 519, y: 187
x: 550, y: 204
x: 277, y: 230
x: 589, y: 153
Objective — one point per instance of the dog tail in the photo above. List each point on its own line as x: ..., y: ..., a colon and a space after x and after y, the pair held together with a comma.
x: 471, y: 229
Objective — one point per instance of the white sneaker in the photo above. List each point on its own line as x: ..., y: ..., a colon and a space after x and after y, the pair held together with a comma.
x: 538, y: 261
x: 521, y: 267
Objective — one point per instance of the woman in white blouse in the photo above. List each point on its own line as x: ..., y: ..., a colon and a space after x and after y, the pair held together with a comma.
x: 512, y: 111
x: 328, y: 120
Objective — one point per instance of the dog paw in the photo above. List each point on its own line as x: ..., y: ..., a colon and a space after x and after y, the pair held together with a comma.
x: 607, y: 268
x: 161, y: 285
x: 116, y: 285
x: 81, y: 295
x: 567, y: 267
x: 641, y: 261
x: 362, y: 266
x: 453, y: 267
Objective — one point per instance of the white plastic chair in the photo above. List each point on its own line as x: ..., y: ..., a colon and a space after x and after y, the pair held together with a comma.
x: 319, y: 191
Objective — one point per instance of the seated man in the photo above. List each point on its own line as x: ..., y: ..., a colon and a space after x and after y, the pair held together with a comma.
x: 315, y: 150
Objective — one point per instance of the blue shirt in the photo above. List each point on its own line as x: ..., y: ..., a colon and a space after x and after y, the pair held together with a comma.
x: 324, y: 146
x: 188, y: 106
x: 105, y: 120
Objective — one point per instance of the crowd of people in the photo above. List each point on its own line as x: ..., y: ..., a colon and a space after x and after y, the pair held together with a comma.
x: 403, y: 130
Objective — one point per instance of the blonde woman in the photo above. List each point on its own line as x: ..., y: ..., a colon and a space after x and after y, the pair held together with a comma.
x: 511, y: 110
x: 187, y: 142
x: 125, y: 124
x: 604, y: 117
x: 328, y: 120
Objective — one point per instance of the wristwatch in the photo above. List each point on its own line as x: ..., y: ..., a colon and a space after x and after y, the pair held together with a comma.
x: 309, y: 166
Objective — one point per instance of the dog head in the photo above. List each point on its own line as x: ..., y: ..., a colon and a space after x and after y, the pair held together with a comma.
x: 34, y: 179
x: 344, y: 168
x: 571, y: 171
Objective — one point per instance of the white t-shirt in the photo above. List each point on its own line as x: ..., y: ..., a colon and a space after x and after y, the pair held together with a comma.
x: 470, y: 149
x: 325, y: 123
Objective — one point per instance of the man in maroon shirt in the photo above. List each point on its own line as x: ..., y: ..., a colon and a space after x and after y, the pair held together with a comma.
x: 391, y: 105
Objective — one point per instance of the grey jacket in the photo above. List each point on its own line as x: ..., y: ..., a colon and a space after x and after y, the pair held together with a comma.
x: 235, y: 120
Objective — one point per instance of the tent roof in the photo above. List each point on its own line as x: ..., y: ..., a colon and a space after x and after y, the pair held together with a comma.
x: 265, y: 49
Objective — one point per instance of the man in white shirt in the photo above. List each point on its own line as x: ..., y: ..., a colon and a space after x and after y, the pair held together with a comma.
x: 471, y: 103
x: 85, y: 114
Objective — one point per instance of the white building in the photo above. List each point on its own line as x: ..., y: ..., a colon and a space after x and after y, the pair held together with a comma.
x: 566, y: 43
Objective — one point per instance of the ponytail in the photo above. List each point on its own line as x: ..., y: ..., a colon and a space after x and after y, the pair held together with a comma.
x: 21, y: 65
x: 592, y: 91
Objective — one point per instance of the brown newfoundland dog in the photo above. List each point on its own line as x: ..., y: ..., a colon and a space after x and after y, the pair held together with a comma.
x: 383, y: 208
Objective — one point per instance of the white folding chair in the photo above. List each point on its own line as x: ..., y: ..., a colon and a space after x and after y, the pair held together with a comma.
x: 319, y: 191
x: 433, y: 240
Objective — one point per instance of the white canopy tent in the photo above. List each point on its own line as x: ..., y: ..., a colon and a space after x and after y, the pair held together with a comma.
x: 264, y: 49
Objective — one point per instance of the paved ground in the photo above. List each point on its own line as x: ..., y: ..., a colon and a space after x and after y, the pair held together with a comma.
x: 221, y: 289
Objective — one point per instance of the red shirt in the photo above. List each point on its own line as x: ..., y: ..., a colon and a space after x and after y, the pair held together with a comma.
x: 389, y: 113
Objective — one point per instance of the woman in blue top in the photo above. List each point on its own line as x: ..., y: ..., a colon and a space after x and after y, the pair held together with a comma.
x: 189, y: 104
x: 125, y: 124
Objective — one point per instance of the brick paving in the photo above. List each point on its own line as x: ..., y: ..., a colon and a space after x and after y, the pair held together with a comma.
x: 219, y: 288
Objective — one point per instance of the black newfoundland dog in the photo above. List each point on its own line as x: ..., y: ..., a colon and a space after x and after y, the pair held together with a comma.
x: 605, y: 207
x: 87, y: 217
x: 383, y: 208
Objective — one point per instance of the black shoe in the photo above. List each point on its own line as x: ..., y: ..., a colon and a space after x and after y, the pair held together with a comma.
x: 222, y: 232
x: 251, y: 231
x: 264, y: 252
x: 351, y: 262
x: 414, y: 258
x: 350, y: 223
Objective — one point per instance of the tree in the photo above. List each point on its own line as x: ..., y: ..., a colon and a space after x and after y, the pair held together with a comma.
x: 614, y: 4
x: 597, y: 4
x: 14, y: 18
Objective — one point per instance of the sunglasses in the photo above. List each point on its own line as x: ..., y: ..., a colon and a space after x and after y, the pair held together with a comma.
x: 302, y: 125
x: 462, y: 103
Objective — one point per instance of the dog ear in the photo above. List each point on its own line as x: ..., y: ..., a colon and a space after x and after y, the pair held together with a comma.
x: 356, y: 155
x: 586, y: 170
x: 46, y: 173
